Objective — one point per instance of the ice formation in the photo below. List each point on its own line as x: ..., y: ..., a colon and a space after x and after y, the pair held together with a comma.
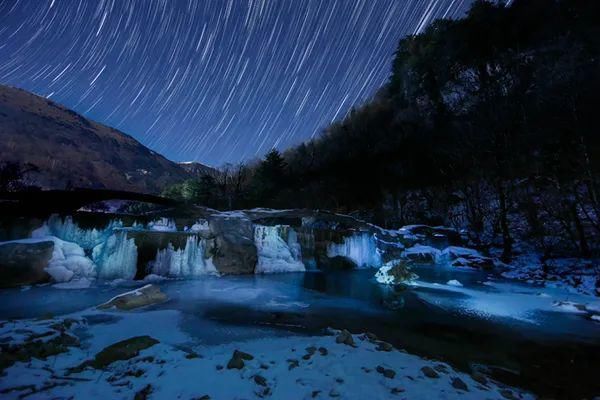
x: 200, y: 226
x: 69, y: 231
x: 187, y: 262
x: 116, y: 257
x: 361, y: 248
x: 69, y: 262
x: 278, y: 249
x: 163, y: 225
x: 454, y: 282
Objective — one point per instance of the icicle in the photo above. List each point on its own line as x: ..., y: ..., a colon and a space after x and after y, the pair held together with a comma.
x: 69, y: 231
x: 116, y: 257
x: 278, y: 249
x: 187, y: 262
x: 361, y: 248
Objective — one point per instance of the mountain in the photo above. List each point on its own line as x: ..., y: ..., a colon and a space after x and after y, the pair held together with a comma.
x: 72, y: 151
x: 198, y: 170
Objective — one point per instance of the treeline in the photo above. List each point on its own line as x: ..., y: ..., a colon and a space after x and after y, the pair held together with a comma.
x: 489, y: 123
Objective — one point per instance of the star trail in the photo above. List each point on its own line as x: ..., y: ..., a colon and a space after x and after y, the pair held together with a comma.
x: 211, y: 81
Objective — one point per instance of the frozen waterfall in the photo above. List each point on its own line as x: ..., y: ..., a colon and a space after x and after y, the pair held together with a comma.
x: 278, y: 249
x: 69, y: 231
x: 116, y: 257
x: 361, y: 248
x: 187, y: 262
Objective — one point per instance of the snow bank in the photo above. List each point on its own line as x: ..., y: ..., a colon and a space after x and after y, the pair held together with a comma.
x: 278, y: 249
x: 394, y: 272
x: 361, y: 248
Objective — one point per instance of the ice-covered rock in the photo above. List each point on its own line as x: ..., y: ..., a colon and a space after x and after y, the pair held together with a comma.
x: 395, y: 272
x: 465, y: 257
x: 116, y: 257
x: 235, y: 251
x: 200, y: 226
x: 144, y: 296
x: 278, y: 249
x: 185, y: 262
x: 69, y: 262
x: 163, y: 225
x: 454, y: 282
x: 360, y: 248
x: 422, y: 254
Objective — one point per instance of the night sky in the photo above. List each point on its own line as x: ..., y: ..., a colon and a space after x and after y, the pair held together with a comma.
x: 209, y: 80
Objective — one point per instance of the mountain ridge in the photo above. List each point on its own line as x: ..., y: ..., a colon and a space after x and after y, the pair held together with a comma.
x: 71, y: 150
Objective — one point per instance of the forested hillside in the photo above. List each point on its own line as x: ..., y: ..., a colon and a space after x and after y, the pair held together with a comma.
x: 487, y: 123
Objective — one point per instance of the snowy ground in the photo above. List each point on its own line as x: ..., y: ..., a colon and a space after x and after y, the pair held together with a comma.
x: 281, y: 368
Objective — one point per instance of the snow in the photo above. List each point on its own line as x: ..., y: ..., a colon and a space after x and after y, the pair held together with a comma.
x: 332, y: 370
x: 80, y: 283
x: 278, y: 249
x: 454, y: 282
x: 190, y: 261
x: 360, y: 248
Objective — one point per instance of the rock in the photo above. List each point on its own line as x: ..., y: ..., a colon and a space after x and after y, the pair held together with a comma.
x: 479, y: 378
x: 237, y: 359
x: 388, y: 373
x: 422, y: 254
x: 345, y: 337
x: 259, y: 380
x: 234, y: 250
x: 371, y: 336
x: 429, y: 372
x: 35, y: 348
x: 144, y: 393
x: 141, y: 297
x: 23, y: 263
x: 384, y: 346
x: 507, y: 394
x: 458, y: 383
x: 397, y: 390
x: 334, y: 393
x: 235, y: 363
x: 292, y: 364
x: 441, y: 368
x: 323, y: 351
x: 123, y: 350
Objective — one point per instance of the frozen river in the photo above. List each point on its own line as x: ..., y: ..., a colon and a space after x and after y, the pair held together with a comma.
x: 526, y: 336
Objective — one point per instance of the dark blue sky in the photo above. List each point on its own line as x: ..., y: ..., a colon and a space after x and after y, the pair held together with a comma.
x: 213, y: 81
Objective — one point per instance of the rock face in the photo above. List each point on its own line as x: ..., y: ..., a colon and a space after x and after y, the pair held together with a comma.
x: 23, y: 263
x: 234, y: 251
x: 144, y: 296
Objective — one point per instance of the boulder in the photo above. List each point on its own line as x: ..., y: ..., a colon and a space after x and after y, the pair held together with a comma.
x: 141, y: 297
x: 422, y: 254
x: 123, y: 350
x: 24, y: 262
x: 395, y: 272
x: 234, y: 251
